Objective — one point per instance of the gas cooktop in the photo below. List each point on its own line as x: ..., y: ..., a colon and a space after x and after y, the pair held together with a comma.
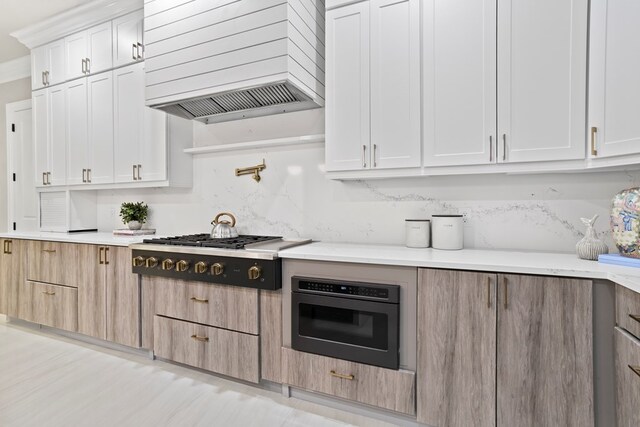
x: 205, y: 241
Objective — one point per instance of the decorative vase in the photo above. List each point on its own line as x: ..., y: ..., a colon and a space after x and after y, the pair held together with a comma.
x: 590, y: 246
x: 134, y: 225
x: 625, y: 222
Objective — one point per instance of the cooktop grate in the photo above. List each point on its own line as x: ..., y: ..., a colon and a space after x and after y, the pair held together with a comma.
x: 205, y: 241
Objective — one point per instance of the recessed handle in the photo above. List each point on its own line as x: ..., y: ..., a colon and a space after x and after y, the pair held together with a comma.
x: 342, y: 376
x: 199, y: 338
x: 48, y: 293
x: 50, y: 251
x: 200, y: 300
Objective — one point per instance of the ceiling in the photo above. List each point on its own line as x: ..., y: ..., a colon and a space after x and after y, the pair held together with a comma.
x: 18, y: 14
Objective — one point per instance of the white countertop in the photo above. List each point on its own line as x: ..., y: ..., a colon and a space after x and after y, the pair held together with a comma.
x: 539, y: 263
x: 92, y: 238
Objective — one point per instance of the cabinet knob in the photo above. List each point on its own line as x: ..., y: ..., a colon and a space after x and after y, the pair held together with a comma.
x: 138, y: 261
x: 217, y: 268
x: 182, y: 266
x: 201, y: 267
x: 152, y: 262
x: 254, y: 272
x: 168, y: 264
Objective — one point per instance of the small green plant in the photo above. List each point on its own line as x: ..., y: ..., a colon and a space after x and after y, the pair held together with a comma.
x: 134, y: 212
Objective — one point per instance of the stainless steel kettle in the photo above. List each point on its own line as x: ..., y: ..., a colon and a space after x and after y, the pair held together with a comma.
x: 223, y: 229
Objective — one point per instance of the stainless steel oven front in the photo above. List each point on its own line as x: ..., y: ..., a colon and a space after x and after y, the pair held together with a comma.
x: 346, y: 320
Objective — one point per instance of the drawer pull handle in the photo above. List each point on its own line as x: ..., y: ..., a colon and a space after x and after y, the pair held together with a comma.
x: 200, y: 300
x: 342, y: 376
x: 635, y: 369
x: 50, y: 251
x: 635, y: 317
x: 48, y: 293
x: 199, y: 338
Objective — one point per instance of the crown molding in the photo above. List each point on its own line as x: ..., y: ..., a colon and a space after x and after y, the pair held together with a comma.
x: 15, y: 69
x: 73, y: 20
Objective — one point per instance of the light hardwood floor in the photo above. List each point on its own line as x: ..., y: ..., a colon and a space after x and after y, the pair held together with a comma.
x: 50, y: 381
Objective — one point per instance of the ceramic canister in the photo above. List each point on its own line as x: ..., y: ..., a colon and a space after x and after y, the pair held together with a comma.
x: 447, y: 231
x: 417, y: 233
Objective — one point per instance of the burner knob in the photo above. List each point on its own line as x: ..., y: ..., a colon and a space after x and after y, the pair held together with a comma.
x: 138, y: 261
x: 182, y: 266
x: 217, y: 269
x: 254, y: 272
x: 152, y: 262
x: 168, y: 264
x: 201, y: 267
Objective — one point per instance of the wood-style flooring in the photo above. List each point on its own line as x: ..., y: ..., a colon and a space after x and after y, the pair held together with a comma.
x: 54, y: 381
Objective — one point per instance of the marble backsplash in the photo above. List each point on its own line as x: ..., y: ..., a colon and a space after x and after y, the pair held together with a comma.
x: 294, y: 198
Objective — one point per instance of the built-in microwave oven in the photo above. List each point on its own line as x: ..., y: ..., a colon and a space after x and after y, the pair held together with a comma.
x: 346, y: 320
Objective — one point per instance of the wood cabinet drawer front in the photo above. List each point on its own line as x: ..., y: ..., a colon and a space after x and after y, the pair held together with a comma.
x: 627, y: 379
x: 628, y: 310
x: 380, y: 387
x: 228, y: 307
x: 50, y: 305
x: 52, y: 262
x: 229, y: 353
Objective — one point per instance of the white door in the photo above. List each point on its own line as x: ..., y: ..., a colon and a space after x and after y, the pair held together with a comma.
x: 614, y: 82
x: 22, y: 195
x: 55, y: 60
x: 38, y: 67
x: 77, y: 132
x: 75, y: 47
x: 153, y: 150
x: 542, y: 67
x: 99, y: 44
x: 127, y: 38
x: 57, y: 135
x: 395, y: 84
x: 40, y: 119
x: 100, y: 128
x: 128, y: 119
x: 347, y: 145
x: 459, y: 91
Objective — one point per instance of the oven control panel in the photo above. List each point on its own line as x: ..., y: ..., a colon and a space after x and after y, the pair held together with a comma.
x: 388, y: 293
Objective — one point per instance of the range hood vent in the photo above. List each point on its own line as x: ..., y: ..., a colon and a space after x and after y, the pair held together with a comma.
x: 227, y: 60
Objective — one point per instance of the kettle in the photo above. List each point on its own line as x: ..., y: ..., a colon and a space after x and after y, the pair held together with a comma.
x: 223, y: 229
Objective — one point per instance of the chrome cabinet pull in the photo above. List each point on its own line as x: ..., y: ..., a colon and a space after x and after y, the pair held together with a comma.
x: 48, y: 178
x: 88, y: 175
x: 342, y: 376
x: 44, y: 178
x: 140, y: 49
x: 134, y: 172
x: 84, y: 67
x: 84, y: 175
x: 47, y: 78
x: 504, y: 147
x: 490, y: 148
x: 139, y: 176
x: 199, y: 338
x: 43, y: 82
x: 133, y: 51
x: 594, y: 149
x: 88, y: 65
x: 199, y: 300
x: 364, y: 154
x: 375, y: 149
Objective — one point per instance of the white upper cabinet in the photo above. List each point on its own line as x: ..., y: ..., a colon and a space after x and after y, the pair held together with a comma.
x: 614, y: 78
x: 542, y: 68
x: 76, y: 121
x: 88, y: 51
x: 100, y: 128
x: 49, y: 134
x: 395, y: 83
x: 347, y: 96
x: 47, y: 65
x: 40, y: 118
x: 459, y: 82
x: 127, y: 39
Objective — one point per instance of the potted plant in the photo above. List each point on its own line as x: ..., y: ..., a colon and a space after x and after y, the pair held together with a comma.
x: 134, y: 214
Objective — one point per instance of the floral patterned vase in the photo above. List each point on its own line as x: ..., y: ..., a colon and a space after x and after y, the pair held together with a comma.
x: 625, y: 222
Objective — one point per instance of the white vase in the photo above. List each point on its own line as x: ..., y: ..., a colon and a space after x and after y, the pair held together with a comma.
x: 590, y: 247
x: 134, y: 225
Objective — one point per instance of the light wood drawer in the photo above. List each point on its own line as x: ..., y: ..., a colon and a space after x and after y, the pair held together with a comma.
x: 52, y: 262
x: 228, y: 307
x: 380, y: 387
x: 628, y: 310
x: 218, y: 350
x: 50, y: 305
x: 627, y: 379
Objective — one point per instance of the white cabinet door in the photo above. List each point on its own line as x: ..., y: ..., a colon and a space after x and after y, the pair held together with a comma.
x: 128, y: 121
x: 614, y: 78
x: 77, y: 133
x: 40, y: 118
x: 347, y: 77
x: 75, y: 52
x: 395, y: 83
x: 127, y: 38
x: 459, y: 75
x: 57, y: 135
x: 153, y: 149
x: 55, y: 61
x: 542, y: 66
x: 100, y: 51
x: 38, y: 67
x: 100, y: 128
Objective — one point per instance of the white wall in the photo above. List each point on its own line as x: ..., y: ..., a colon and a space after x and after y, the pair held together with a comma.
x: 536, y: 212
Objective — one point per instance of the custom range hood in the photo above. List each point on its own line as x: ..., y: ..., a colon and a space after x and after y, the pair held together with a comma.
x: 222, y: 60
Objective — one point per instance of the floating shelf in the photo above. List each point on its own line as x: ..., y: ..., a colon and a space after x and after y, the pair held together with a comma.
x: 266, y: 143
